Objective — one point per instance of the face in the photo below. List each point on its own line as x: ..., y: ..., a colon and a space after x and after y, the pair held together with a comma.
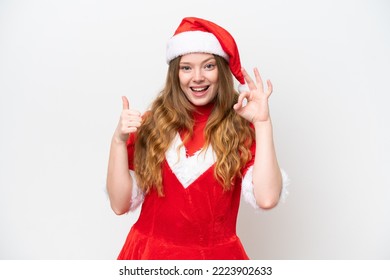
x: 198, y: 76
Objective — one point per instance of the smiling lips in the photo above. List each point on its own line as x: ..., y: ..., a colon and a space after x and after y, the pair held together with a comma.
x: 199, y: 91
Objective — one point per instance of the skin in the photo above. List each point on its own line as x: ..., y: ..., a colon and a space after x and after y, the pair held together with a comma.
x: 267, y: 179
x: 198, y: 77
x: 119, y: 181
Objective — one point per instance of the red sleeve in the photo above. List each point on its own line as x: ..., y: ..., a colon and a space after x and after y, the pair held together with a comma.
x: 252, y: 160
x: 131, y: 144
x: 130, y: 150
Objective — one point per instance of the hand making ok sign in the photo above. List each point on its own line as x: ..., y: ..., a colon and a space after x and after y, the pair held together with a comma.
x: 256, y: 109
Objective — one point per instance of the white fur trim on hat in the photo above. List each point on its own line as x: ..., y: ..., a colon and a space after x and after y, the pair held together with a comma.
x: 192, y: 42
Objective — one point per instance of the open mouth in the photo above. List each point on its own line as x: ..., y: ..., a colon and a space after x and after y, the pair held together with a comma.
x: 199, y: 89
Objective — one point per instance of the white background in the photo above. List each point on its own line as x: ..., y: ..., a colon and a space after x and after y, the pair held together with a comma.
x: 65, y: 64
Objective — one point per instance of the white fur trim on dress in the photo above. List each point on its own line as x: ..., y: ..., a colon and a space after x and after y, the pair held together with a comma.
x: 193, y: 42
x: 137, y: 196
x: 188, y: 169
x: 247, y: 187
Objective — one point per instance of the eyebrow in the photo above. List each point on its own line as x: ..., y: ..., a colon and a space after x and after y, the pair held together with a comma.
x: 204, y: 61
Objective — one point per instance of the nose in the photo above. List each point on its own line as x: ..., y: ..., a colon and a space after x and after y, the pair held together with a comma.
x: 198, y: 76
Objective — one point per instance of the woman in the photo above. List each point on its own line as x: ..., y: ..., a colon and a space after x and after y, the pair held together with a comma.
x: 192, y: 155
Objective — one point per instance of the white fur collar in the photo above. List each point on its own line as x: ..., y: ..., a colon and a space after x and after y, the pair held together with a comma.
x: 188, y: 169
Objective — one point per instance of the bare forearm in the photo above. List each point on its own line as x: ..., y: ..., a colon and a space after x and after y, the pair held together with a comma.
x: 267, y: 179
x: 119, y: 181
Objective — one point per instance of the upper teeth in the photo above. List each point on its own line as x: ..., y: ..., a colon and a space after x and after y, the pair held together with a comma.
x: 199, y: 89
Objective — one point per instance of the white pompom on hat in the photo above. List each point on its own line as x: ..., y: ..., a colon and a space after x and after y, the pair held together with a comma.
x: 199, y: 35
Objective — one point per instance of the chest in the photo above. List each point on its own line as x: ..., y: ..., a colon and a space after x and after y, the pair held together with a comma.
x: 187, y: 165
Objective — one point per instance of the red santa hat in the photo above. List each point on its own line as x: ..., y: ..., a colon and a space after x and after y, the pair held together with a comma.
x: 199, y: 35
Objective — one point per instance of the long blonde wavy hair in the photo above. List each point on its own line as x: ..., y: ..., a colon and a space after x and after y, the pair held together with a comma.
x: 229, y: 134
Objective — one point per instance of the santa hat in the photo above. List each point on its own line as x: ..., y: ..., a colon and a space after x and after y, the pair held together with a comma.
x: 199, y: 35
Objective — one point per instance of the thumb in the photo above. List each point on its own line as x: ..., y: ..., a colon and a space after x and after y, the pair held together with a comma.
x: 125, y: 103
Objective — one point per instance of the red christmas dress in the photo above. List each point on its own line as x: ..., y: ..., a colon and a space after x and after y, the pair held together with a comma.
x: 195, y: 219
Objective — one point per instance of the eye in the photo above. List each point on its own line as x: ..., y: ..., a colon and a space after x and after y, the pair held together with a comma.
x: 209, y: 66
x: 185, y: 68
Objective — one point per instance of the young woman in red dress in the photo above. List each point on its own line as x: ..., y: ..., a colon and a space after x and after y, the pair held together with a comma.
x: 190, y: 158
